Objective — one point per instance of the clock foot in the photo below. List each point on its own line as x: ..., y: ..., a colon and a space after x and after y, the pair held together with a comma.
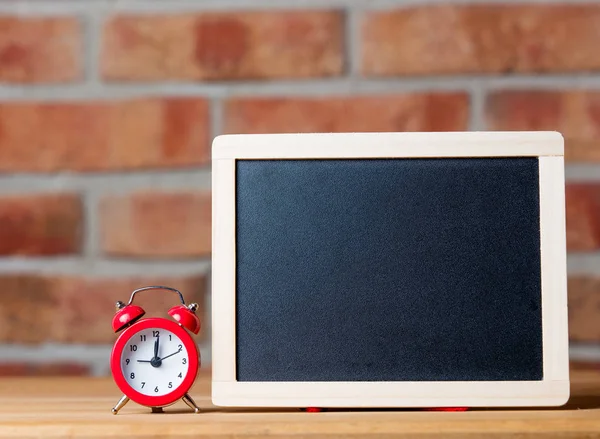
x: 124, y: 400
x: 157, y: 410
x: 190, y: 402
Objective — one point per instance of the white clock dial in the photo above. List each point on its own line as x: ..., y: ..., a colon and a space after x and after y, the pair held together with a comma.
x: 154, y: 375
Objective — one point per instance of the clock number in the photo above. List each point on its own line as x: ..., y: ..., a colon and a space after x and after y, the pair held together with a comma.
x: 155, y: 333
x: 179, y: 375
x: 179, y: 346
x: 170, y: 384
x: 169, y: 337
x: 132, y: 376
x: 184, y: 361
x: 127, y: 361
x: 133, y: 347
x: 142, y: 338
x: 143, y: 384
x: 156, y: 389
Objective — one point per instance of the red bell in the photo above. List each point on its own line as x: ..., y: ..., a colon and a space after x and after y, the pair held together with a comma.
x: 126, y: 315
x: 186, y: 317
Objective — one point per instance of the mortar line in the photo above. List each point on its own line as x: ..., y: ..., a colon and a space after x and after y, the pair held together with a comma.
x: 98, y: 185
x: 94, y: 23
x: 105, y: 267
x: 477, y: 107
x: 216, y: 117
x: 107, y: 183
x: 583, y: 264
x: 91, y: 226
x: 582, y: 172
x: 352, y: 42
x: 584, y: 352
x: 95, y: 357
x: 341, y: 86
x: 578, y: 265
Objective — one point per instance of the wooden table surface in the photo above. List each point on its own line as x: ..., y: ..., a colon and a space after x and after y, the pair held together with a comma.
x: 80, y: 407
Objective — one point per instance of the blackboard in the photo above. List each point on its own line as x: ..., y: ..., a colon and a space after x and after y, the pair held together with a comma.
x: 388, y: 270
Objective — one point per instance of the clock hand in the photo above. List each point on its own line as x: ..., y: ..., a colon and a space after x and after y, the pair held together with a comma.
x: 154, y: 361
x: 170, y: 355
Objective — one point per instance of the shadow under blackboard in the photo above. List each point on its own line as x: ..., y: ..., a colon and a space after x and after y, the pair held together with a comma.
x: 580, y: 402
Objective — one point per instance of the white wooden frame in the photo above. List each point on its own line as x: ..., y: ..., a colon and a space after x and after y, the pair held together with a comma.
x: 553, y: 389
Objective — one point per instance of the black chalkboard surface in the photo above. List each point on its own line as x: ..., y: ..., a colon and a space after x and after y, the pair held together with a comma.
x: 388, y: 270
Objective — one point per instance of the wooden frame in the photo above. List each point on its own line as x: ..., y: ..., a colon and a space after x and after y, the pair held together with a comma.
x: 553, y: 389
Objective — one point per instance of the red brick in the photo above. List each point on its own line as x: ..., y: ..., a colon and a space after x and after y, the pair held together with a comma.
x: 157, y: 224
x: 576, y: 114
x: 584, y: 309
x: 38, y: 308
x: 247, y: 45
x: 40, y: 50
x: 40, y: 224
x: 103, y: 136
x: 454, y: 39
x: 43, y: 369
x: 412, y: 112
x: 583, y: 216
x: 583, y: 365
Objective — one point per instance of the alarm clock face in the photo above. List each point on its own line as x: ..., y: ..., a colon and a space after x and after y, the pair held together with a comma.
x: 155, y: 362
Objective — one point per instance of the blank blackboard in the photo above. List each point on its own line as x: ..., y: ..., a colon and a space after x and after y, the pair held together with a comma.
x: 388, y: 270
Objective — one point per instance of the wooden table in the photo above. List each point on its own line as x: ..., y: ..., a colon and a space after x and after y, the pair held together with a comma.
x: 80, y: 407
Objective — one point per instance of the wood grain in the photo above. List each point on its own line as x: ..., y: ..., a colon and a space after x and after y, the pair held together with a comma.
x: 80, y: 407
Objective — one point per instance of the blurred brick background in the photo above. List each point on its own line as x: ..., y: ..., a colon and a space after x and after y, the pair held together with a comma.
x: 107, y: 110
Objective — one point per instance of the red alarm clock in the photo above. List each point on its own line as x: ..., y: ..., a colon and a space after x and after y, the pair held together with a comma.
x: 155, y: 360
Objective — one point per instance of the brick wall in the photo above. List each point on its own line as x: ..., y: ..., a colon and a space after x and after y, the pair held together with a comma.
x: 107, y: 110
